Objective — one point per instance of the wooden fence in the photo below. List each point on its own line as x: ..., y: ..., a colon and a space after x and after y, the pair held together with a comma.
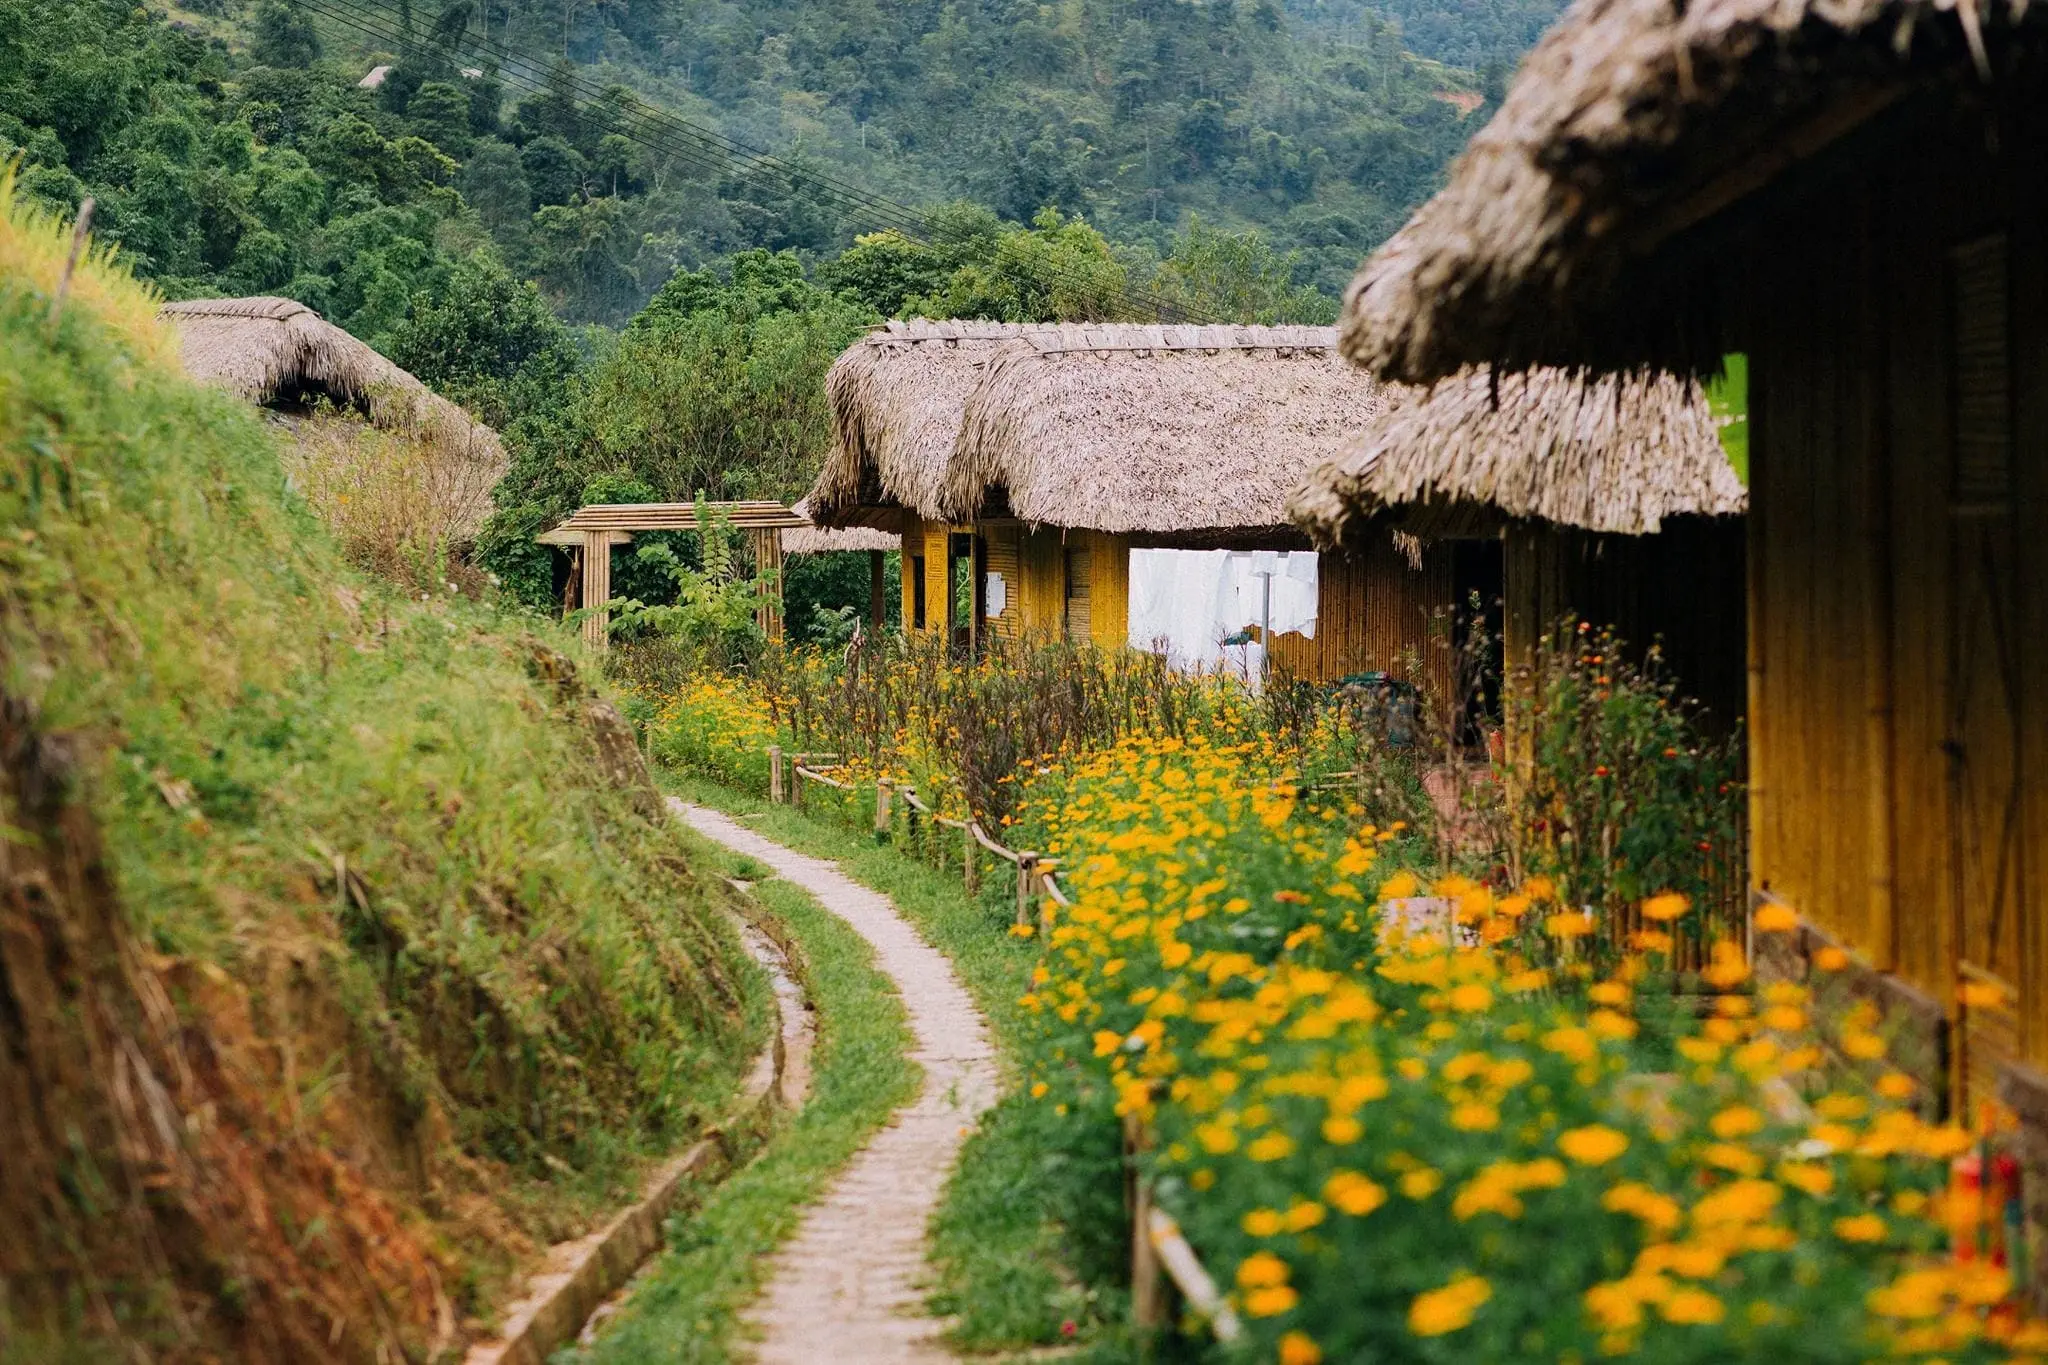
x: 1162, y: 1261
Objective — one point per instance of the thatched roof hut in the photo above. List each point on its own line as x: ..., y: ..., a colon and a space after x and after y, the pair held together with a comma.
x: 897, y: 397
x: 1615, y: 454
x: 1631, y: 122
x: 1165, y: 432
x: 271, y: 350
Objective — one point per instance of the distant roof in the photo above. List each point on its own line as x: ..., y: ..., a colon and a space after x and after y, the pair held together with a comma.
x: 375, y: 79
x: 1631, y: 121
x: 816, y: 540
x: 263, y: 349
x: 897, y: 398
x: 1160, y: 430
x: 1114, y: 427
x: 1614, y: 453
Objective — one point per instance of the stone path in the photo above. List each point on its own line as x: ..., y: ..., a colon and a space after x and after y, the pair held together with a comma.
x: 846, y: 1288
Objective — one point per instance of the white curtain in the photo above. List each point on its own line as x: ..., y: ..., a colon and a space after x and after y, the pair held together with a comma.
x: 1186, y: 603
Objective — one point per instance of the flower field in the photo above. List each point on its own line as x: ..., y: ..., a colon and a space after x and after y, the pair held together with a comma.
x: 1404, y: 1112
x: 1400, y: 1145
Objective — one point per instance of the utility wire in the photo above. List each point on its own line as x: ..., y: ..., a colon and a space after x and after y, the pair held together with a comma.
x: 705, y: 148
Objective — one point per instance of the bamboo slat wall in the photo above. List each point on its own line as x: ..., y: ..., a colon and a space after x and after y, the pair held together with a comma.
x: 1899, y: 580
x: 1375, y: 613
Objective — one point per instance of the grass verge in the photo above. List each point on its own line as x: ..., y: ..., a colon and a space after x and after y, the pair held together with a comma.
x: 1004, y: 1239
x: 687, y: 1308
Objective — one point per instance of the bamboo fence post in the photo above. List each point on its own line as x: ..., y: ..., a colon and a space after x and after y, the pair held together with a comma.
x: 1150, y: 1303
x: 796, y: 781
x: 775, y: 774
x: 910, y: 820
x: 881, y: 812
x: 1027, y: 877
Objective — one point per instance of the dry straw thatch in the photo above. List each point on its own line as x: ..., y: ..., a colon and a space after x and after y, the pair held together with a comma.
x: 1630, y: 123
x: 1148, y: 430
x: 1615, y: 454
x: 820, y: 540
x: 897, y: 396
x: 272, y: 350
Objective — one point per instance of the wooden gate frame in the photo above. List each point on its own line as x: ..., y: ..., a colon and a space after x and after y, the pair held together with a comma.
x: 594, y: 529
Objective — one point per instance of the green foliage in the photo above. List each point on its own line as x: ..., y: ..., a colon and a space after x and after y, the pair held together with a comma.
x: 519, y: 975
x: 1728, y: 400
x: 1239, y: 276
x: 974, y: 265
x: 711, y: 611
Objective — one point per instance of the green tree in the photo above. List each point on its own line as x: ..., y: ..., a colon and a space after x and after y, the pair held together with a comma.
x: 1237, y: 276
x: 284, y: 36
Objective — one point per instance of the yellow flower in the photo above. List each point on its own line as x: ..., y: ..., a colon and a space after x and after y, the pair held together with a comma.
x: 1897, y: 1085
x: 1862, y: 1045
x: 1774, y: 917
x: 1810, y: 1176
x: 1692, y: 1306
x: 1573, y: 1044
x: 1107, y: 1041
x: 1666, y: 907
x: 1268, y: 1303
x: 1261, y: 1270
x: 1475, y: 1117
x: 1831, y: 959
x: 1339, y: 1129
x: 1615, y: 993
x: 1414, y: 1068
x: 1470, y: 998
x: 1273, y: 1146
x: 1594, y: 1145
x: 1421, y: 1182
x: 1298, y: 1348
x: 1863, y: 1227
x: 1659, y: 1212
x: 1568, y: 924
x: 1353, y: 1193
x: 1438, y: 1311
x: 1735, y: 1122
x: 1262, y: 1223
x: 1304, y: 1214
x: 1739, y: 1201
x: 1400, y: 886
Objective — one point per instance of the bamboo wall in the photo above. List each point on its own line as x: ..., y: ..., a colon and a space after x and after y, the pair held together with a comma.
x: 1376, y: 613
x: 1897, y: 327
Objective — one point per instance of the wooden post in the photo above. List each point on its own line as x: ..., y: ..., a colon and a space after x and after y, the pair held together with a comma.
x: 877, y: 601
x: 909, y: 821
x: 1027, y: 882
x: 1149, y: 1304
x: 970, y: 871
x: 775, y: 774
x: 881, y: 811
x: 597, y: 587
x: 796, y: 782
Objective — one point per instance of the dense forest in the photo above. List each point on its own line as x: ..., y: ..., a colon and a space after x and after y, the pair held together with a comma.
x: 562, y: 215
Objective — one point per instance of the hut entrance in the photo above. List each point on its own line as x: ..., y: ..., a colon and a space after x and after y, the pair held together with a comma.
x: 965, y: 556
x: 1076, y: 617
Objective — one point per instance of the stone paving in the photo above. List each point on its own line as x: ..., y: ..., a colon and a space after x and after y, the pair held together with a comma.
x: 847, y: 1288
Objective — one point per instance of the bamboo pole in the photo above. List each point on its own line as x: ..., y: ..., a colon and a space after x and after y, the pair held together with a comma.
x: 775, y: 774
x: 1027, y: 874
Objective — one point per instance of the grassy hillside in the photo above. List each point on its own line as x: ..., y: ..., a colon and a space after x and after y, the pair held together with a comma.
x: 341, y: 961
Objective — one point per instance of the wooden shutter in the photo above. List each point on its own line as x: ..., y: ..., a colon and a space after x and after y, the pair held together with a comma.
x: 1981, y: 686
x: 1078, y: 617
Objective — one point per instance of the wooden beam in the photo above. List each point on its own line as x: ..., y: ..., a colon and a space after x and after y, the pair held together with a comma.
x: 877, y: 609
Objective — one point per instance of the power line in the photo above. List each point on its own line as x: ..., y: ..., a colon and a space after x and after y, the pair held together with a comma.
x: 706, y: 148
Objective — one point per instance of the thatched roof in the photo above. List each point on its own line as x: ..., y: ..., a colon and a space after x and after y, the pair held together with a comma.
x: 1618, y: 453
x: 1154, y: 430
x: 1630, y: 123
x: 897, y: 396
x: 268, y: 350
x: 819, y: 540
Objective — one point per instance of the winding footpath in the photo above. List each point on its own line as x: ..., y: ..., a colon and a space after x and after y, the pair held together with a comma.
x: 846, y: 1286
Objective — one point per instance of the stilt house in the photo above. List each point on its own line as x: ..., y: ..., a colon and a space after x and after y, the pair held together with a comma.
x: 1852, y: 196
